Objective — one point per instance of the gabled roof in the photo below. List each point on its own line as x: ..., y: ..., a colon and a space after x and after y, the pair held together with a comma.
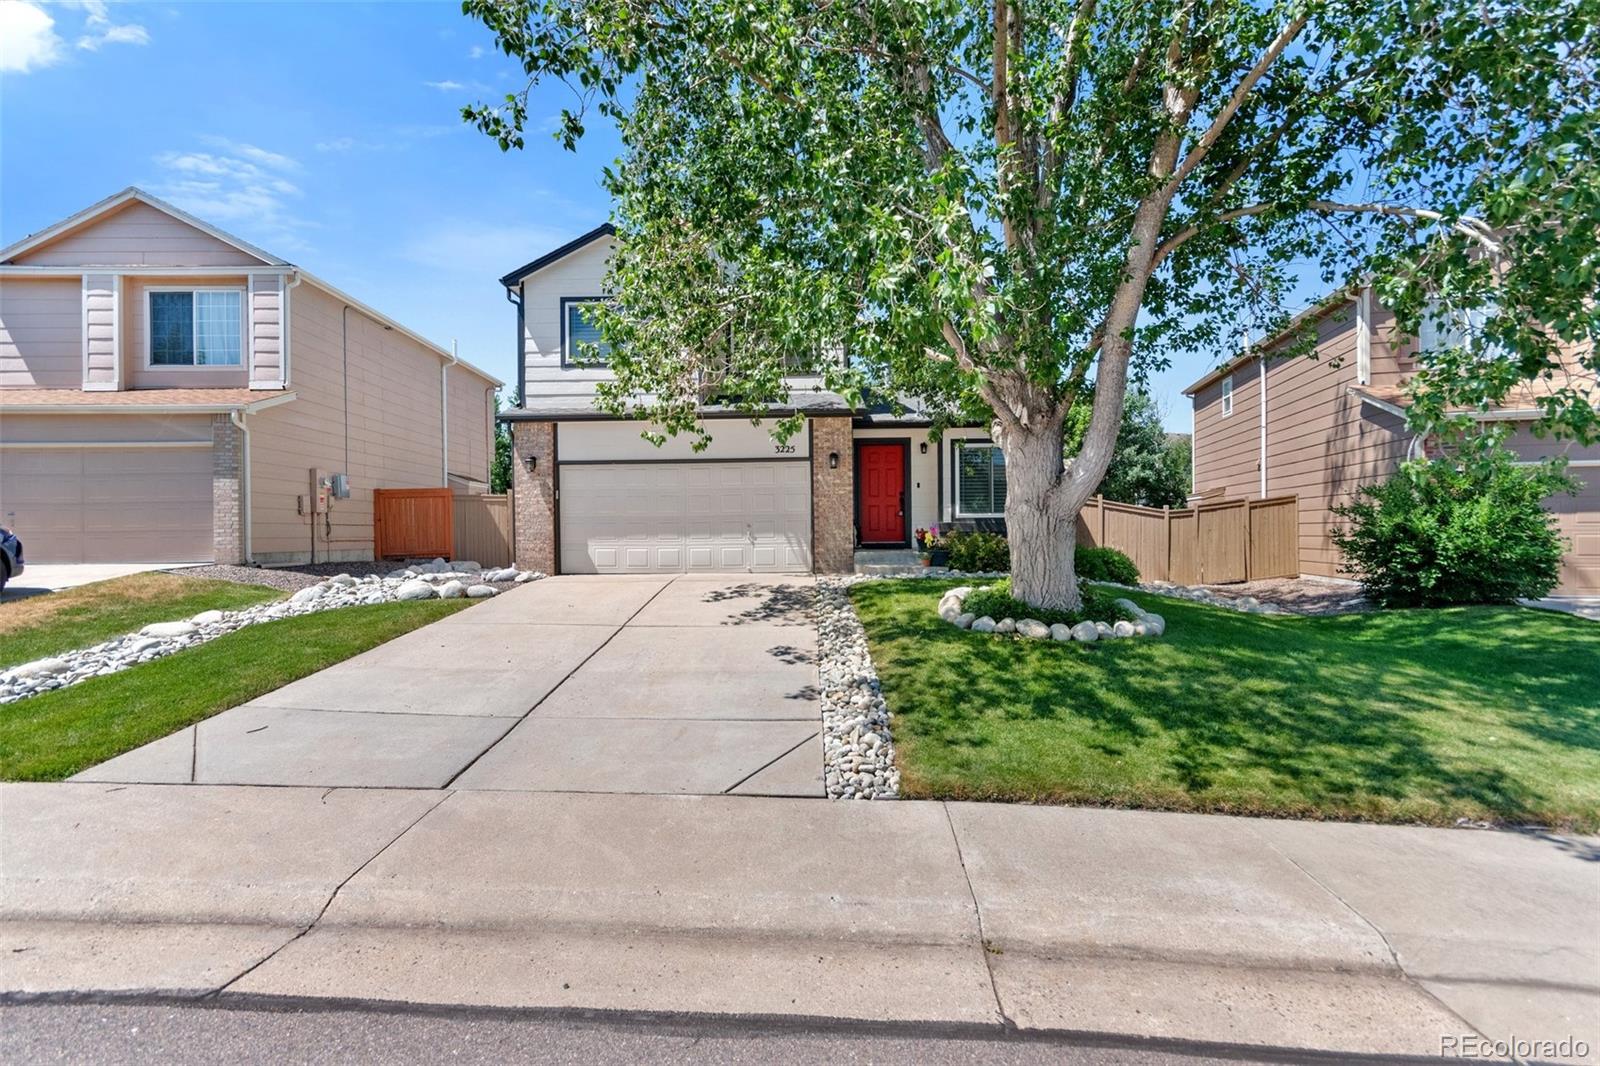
x: 111, y: 203
x: 133, y: 193
x: 605, y: 229
x: 1317, y: 310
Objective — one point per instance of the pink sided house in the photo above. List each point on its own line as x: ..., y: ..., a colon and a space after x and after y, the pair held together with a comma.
x: 1321, y: 428
x: 171, y: 393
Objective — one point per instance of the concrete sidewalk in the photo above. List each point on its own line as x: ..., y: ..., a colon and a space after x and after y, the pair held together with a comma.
x: 1279, y: 934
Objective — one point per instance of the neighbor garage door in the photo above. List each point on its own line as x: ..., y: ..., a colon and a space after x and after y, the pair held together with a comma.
x: 667, y: 517
x: 1578, y: 518
x: 109, y: 505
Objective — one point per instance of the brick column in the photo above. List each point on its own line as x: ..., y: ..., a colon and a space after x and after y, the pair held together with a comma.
x: 227, y: 491
x: 535, y: 494
x: 833, y: 505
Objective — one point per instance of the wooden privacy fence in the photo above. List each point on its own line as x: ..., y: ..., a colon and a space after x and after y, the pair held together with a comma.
x: 1230, y: 540
x: 483, y: 529
x: 412, y: 523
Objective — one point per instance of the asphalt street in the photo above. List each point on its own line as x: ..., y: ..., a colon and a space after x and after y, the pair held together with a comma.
x: 142, y: 1033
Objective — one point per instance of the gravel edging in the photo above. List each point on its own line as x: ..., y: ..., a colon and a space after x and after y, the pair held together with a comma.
x: 857, y: 749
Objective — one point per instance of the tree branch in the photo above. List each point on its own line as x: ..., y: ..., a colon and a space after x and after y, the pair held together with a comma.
x: 1474, y: 229
x: 1236, y: 100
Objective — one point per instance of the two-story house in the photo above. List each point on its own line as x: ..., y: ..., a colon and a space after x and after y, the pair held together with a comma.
x: 1321, y: 427
x: 593, y: 496
x: 171, y: 393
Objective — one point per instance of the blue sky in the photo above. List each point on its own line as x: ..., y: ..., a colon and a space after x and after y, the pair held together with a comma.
x: 328, y: 133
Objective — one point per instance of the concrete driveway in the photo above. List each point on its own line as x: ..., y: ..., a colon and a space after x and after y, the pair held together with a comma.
x: 571, y: 684
x: 39, y: 578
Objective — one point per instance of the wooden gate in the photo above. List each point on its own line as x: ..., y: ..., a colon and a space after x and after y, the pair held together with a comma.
x: 1215, y: 543
x: 412, y: 523
x: 483, y: 528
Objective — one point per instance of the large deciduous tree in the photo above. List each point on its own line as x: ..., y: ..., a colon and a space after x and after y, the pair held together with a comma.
x: 1013, y: 205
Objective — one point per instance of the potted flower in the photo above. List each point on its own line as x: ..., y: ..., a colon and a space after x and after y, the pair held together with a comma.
x: 932, y: 545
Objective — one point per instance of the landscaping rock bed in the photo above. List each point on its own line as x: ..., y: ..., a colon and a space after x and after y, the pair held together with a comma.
x: 1286, y: 595
x: 1144, y: 624
x: 857, y: 750
x: 436, y: 580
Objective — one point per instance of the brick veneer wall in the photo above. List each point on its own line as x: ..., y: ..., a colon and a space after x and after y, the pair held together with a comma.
x: 833, y: 508
x: 535, y: 494
x: 227, y: 496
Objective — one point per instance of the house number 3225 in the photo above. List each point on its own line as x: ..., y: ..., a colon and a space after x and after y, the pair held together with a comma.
x: 784, y: 449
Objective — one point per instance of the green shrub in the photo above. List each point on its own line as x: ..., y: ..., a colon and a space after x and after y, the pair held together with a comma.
x: 997, y: 602
x: 1435, y: 535
x: 1105, y: 564
x: 978, y: 551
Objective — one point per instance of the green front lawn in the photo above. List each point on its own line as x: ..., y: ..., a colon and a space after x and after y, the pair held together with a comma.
x: 1483, y: 712
x: 45, y: 625
x: 49, y: 737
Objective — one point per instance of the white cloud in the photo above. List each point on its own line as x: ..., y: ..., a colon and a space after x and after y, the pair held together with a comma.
x: 99, y: 30
x: 336, y: 144
x: 445, y: 86
x: 477, y: 51
x: 238, y: 185
x: 28, y: 40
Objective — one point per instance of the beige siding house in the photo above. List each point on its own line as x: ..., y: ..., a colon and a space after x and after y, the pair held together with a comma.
x: 593, y: 496
x: 170, y: 393
x: 1321, y: 426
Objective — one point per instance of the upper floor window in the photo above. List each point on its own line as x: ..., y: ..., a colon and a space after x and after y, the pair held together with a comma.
x: 1227, y: 395
x: 196, y: 327
x: 980, y: 480
x: 580, y: 334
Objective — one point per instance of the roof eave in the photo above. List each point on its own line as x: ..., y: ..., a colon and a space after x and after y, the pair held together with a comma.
x: 605, y: 229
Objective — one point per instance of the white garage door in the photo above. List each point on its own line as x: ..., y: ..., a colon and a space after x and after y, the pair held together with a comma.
x: 108, y: 505
x: 651, y: 518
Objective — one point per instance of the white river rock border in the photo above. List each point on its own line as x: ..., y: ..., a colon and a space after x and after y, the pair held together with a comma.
x: 1145, y: 624
x: 435, y: 580
x: 857, y: 748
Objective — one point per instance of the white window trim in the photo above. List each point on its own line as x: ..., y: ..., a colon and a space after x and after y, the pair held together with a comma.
x: 1227, y: 396
x: 569, y: 358
x: 955, y: 467
x: 1364, y: 338
x: 244, y: 329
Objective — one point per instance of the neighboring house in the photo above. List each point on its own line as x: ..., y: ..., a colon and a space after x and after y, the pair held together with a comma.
x: 592, y: 496
x: 170, y: 393
x: 1321, y: 428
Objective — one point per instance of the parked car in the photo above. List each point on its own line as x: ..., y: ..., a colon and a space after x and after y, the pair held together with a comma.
x: 10, y: 556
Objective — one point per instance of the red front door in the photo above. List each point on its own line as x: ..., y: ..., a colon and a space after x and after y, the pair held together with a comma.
x: 881, y: 481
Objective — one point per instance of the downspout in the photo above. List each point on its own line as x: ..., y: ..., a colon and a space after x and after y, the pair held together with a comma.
x: 444, y: 416
x: 522, y: 348
x: 236, y: 416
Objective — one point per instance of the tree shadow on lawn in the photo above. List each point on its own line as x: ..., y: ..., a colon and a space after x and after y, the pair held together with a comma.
x: 1349, y: 715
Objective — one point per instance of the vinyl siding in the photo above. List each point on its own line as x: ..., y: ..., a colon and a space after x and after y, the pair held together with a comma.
x: 580, y: 274
x: 264, y: 349
x: 101, y: 294
x: 137, y: 235
x: 41, y: 333
x: 1323, y: 443
x: 394, y: 429
x: 470, y: 406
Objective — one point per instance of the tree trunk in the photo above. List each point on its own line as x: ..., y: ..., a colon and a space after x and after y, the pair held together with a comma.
x: 1041, y: 527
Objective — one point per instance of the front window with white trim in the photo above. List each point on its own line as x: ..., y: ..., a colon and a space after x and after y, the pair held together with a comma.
x: 196, y: 327
x: 980, y: 480
x: 581, y: 343
x: 1227, y: 395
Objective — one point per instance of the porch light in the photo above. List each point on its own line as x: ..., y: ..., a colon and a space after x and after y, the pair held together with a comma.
x: 833, y: 460
x: 532, y: 463
x: 923, y: 447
